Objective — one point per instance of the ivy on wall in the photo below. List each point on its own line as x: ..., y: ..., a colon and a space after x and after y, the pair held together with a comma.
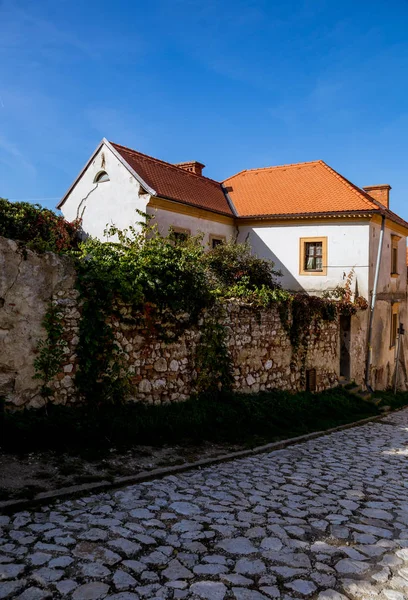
x: 50, y: 350
x: 212, y: 359
x: 161, y: 279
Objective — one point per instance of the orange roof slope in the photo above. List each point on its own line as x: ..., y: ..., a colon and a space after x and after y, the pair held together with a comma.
x: 175, y: 183
x: 303, y: 188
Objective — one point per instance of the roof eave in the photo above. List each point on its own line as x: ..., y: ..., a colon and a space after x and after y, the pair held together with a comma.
x: 193, y: 205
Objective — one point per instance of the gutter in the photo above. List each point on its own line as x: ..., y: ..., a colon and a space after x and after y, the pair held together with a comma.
x: 372, y: 307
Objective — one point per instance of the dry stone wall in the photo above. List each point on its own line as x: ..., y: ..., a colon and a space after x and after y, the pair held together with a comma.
x: 161, y: 372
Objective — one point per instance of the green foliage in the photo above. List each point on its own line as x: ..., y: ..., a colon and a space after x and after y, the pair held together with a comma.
x: 102, y: 377
x: 143, y: 270
x: 172, y: 280
x: 212, y: 360
x: 50, y: 350
x: 263, y: 296
x: 231, y: 263
x: 144, y: 267
x: 37, y: 227
x: 343, y: 296
x: 226, y: 417
x: 165, y: 277
x: 305, y: 310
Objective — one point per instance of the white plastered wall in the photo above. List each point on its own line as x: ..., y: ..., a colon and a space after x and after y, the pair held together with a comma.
x: 110, y: 202
x: 166, y: 219
x: 347, y: 248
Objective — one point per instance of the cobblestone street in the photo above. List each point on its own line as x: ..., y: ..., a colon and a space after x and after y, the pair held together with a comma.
x: 325, y: 519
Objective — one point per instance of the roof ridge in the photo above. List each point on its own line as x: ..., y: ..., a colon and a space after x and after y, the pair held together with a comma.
x: 166, y: 164
x: 308, y: 162
x: 356, y: 190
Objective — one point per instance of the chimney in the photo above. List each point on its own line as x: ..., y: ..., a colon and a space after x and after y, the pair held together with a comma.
x: 193, y: 166
x: 381, y: 193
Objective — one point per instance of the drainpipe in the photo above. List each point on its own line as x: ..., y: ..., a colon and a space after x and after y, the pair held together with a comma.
x: 372, y: 307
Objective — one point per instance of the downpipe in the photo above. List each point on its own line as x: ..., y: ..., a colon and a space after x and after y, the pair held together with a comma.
x: 372, y: 308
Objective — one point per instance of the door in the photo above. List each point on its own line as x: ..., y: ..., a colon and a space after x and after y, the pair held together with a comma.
x: 345, y: 342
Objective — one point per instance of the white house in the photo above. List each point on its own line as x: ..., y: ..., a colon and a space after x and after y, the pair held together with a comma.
x: 311, y: 221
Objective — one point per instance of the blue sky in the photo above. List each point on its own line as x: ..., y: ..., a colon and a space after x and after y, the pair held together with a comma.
x: 234, y: 84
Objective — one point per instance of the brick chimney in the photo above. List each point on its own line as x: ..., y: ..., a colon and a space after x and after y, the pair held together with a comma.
x: 193, y: 166
x: 381, y: 193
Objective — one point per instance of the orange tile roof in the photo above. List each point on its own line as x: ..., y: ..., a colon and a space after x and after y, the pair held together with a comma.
x: 303, y: 188
x: 175, y: 183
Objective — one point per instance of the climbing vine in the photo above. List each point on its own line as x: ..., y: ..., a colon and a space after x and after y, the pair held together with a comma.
x: 212, y: 359
x: 343, y: 295
x: 166, y: 284
x: 306, y: 312
x: 102, y: 376
x: 50, y: 350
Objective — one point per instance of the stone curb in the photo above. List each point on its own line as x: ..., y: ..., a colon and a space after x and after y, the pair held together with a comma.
x: 104, y: 485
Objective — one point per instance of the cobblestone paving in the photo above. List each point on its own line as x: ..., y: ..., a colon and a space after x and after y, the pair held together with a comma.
x: 327, y: 519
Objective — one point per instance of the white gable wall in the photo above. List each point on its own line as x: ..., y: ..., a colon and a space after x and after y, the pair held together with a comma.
x: 113, y: 201
x: 347, y: 247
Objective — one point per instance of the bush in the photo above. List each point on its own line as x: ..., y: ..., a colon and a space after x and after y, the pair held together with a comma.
x: 144, y: 267
x: 39, y: 228
x: 231, y: 263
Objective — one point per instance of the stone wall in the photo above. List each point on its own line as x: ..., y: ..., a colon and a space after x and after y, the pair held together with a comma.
x: 259, y: 346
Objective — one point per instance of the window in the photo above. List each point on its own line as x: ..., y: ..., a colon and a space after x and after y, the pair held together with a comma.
x: 101, y: 177
x: 394, y: 255
x: 394, y: 323
x: 313, y: 256
x: 216, y: 240
x: 179, y: 235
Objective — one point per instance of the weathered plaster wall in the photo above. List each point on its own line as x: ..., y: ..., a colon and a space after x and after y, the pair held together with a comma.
x: 27, y: 282
x: 161, y: 372
x: 347, y: 248
x: 392, y: 290
x: 358, y: 346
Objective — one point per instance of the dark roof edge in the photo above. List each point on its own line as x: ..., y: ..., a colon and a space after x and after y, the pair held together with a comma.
x: 200, y: 206
x: 229, y: 200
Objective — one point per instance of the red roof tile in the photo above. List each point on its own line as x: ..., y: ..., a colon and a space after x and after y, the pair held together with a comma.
x: 175, y: 183
x: 303, y: 188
